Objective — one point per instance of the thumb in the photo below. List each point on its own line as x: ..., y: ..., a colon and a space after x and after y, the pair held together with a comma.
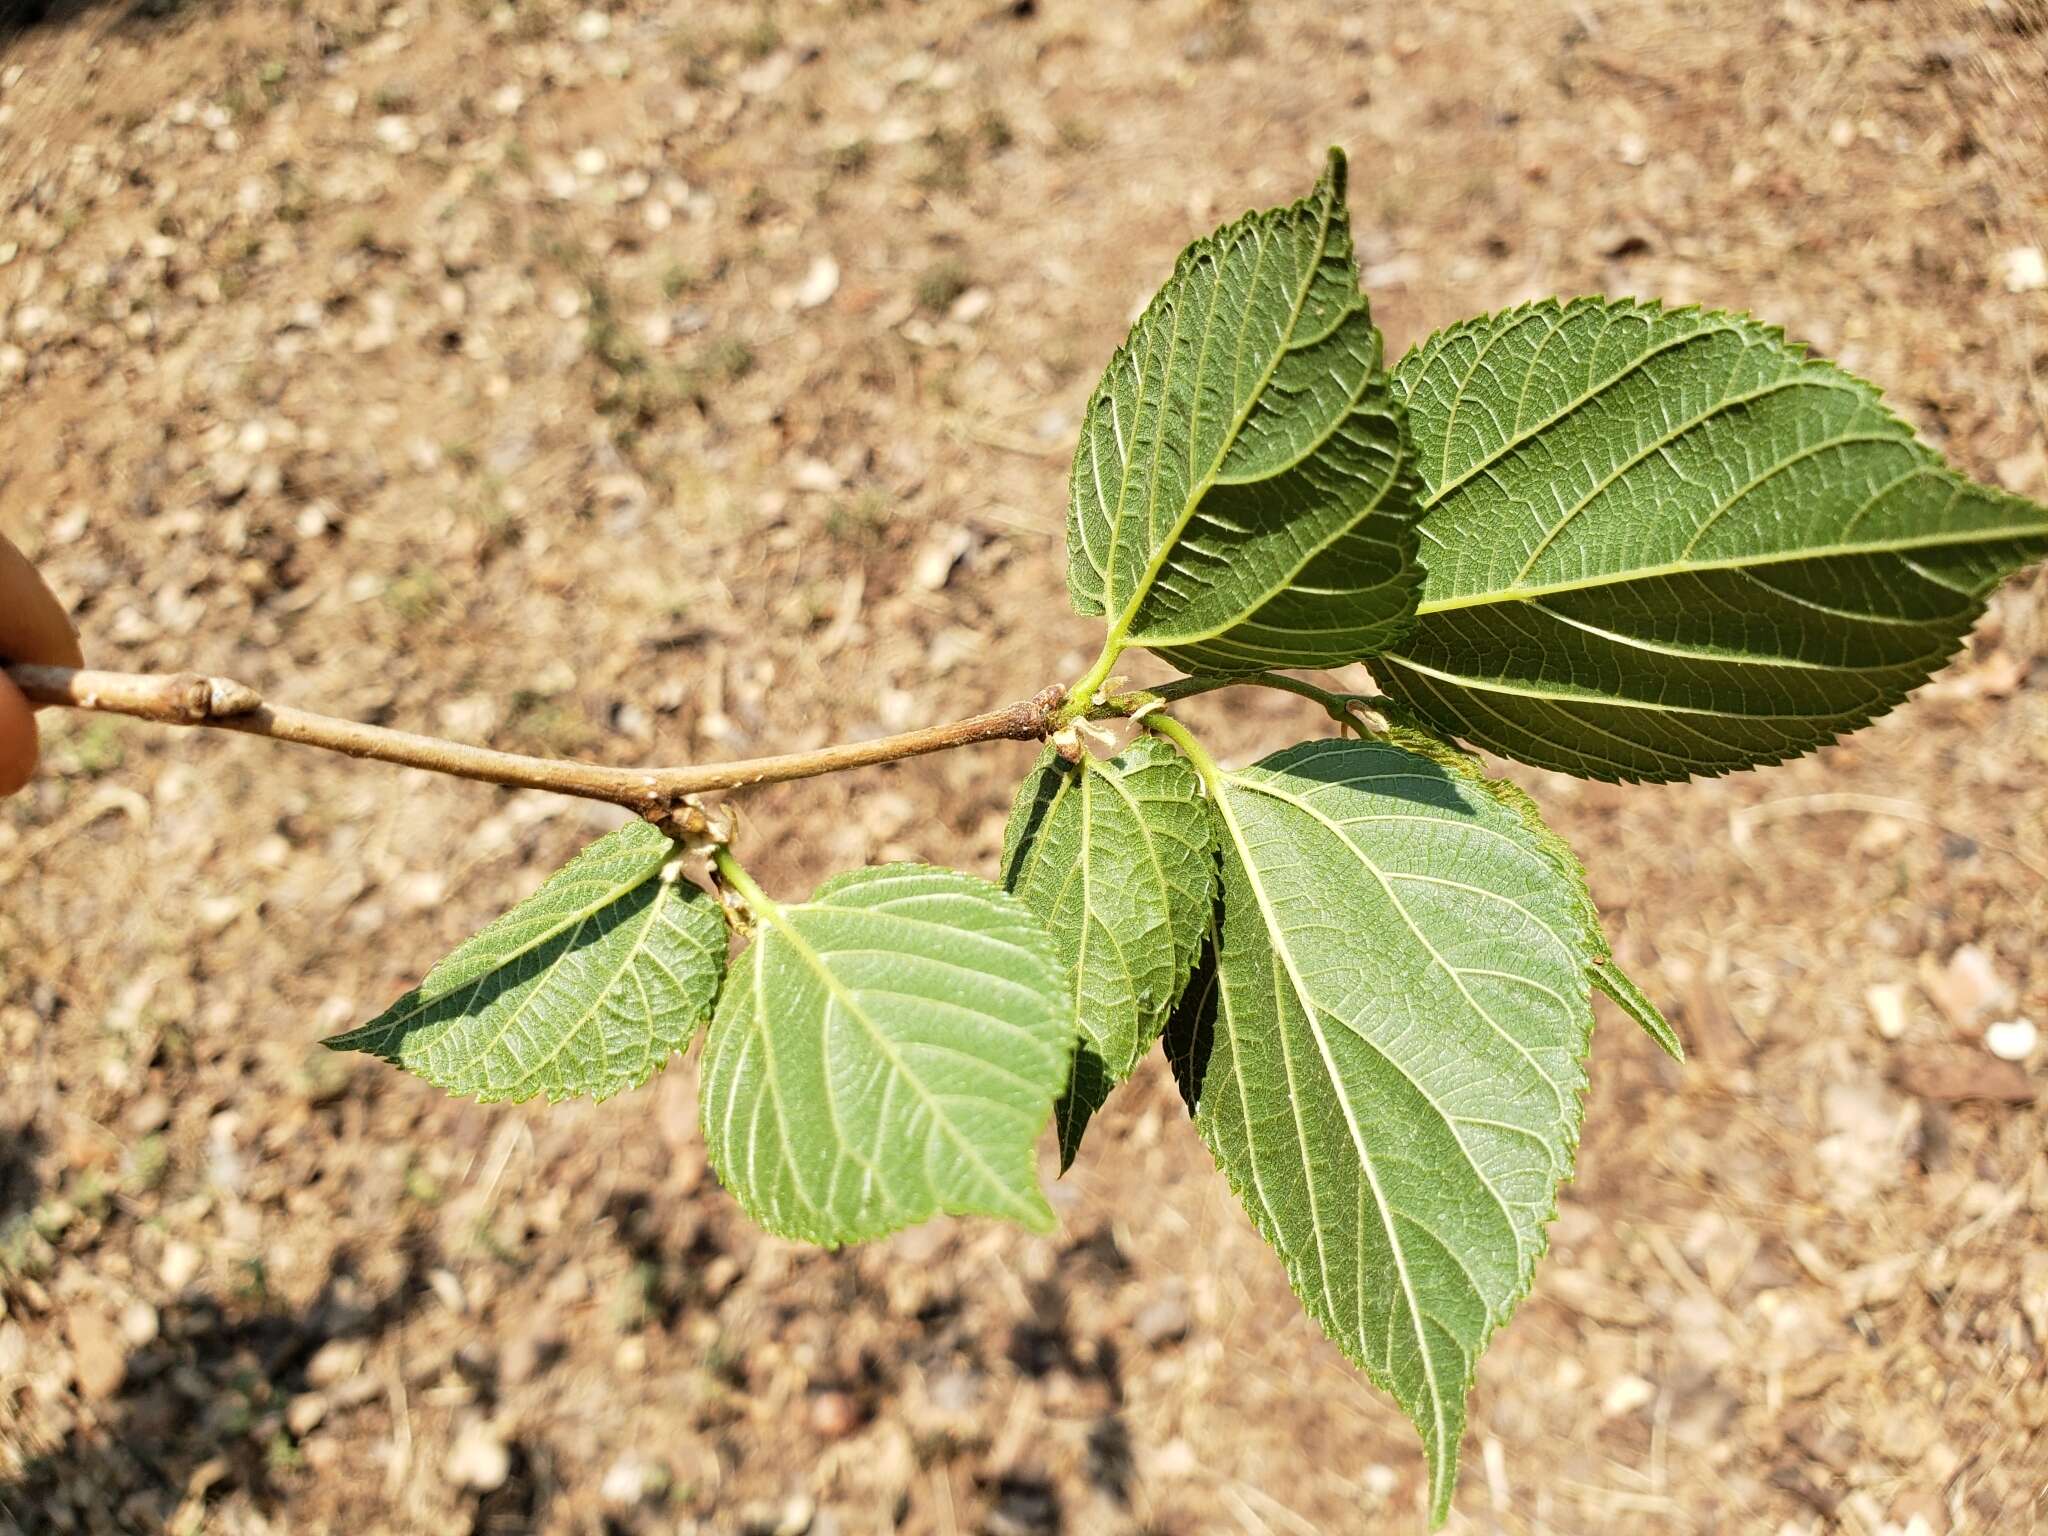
x: 33, y: 625
x: 17, y: 738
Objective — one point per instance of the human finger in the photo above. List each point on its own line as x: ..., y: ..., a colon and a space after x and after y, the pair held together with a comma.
x: 17, y: 739
x: 33, y: 625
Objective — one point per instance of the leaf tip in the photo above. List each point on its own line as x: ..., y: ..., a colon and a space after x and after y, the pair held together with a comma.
x: 1443, y: 1482
x: 372, y: 1038
x: 1631, y: 999
x: 1336, y: 170
x: 1035, y: 1216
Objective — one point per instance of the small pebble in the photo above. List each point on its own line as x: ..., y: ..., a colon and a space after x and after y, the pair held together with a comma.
x: 1627, y: 1395
x: 302, y: 1415
x: 819, y: 284
x: 149, y: 1113
x: 1887, y: 1004
x: 720, y: 1275
x: 834, y: 1415
x: 2011, y: 1039
x: 447, y: 1290
x: 2025, y: 269
x: 970, y: 306
x: 334, y: 1362
x: 139, y: 1324
x: 1161, y: 1322
x: 180, y: 1266
x: 628, y: 1482
x: 397, y: 134
x: 479, y: 1459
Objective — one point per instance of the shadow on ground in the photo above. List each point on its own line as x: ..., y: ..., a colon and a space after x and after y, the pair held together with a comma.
x: 20, y: 1146
x: 21, y: 17
x: 200, y: 1409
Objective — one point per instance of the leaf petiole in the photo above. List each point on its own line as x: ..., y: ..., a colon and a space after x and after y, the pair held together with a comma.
x: 1203, y: 764
x: 1080, y: 697
x: 734, y: 878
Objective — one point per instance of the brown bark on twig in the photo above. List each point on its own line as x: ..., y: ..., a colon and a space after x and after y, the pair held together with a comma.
x: 186, y: 698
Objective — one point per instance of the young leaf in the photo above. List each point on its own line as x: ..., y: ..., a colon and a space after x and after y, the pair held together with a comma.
x: 1118, y: 859
x: 1242, y: 495
x: 887, y: 1051
x: 587, y: 986
x: 1666, y: 542
x: 1387, y: 1060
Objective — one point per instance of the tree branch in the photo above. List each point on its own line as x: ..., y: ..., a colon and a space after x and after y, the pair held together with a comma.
x: 187, y: 698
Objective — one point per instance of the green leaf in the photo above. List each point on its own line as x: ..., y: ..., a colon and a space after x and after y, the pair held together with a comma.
x: 1118, y: 860
x: 887, y: 1051
x: 1243, y: 495
x: 588, y: 986
x: 1601, y: 968
x: 1666, y: 542
x: 1386, y: 1057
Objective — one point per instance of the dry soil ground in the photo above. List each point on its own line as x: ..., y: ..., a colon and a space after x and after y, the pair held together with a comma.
x: 670, y: 380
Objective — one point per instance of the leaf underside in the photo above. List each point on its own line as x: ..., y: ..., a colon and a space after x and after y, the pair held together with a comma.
x: 888, y: 1051
x: 1118, y: 860
x: 587, y: 987
x: 1385, y: 1054
x: 1665, y: 542
x: 1601, y: 969
x: 1242, y: 495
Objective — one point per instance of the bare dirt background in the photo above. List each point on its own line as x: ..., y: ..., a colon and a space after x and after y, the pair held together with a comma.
x: 666, y: 381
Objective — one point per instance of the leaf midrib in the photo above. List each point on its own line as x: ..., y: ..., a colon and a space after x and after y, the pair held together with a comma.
x: 1940, y: 540
x: 1164, y: 548
x: 1336, y: 830
x: 783, y: 922
x: 424, y: 1001
x: 1251, y: 607
x: 1562, y: 695
x: 623, y: 969
x: 1140, y: 1026
x: 1723, y: 657
x: 1311, y: 1016
x: 615, y: 890
x: 1692, y: 424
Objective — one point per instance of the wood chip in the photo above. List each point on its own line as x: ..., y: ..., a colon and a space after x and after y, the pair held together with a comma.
x: 1953, y: 1074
